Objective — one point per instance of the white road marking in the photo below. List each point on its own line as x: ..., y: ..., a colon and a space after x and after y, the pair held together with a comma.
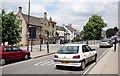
x: 16, y: 63
x: 40, y: 63
x: 51, y: 63
x: 97, y: 61
x: 23, y: 62
x: 46, y: 63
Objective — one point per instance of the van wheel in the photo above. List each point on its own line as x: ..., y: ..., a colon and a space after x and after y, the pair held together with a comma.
x: 26, y: 57
x: 83, y: 65
x: 2, y: 62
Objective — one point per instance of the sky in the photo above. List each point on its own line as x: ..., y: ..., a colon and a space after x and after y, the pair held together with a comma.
x: 75, y: 12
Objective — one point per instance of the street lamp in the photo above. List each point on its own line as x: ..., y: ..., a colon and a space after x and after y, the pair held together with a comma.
x: 47, y: 41
x: 28, y: 26
x: 31, y: 35
x: 40, y: 41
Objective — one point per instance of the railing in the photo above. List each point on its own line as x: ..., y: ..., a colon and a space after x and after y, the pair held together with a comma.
x: 90, y: 42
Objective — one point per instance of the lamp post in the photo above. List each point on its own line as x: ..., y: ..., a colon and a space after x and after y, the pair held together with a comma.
x: 31, y: 35
x: 28, y: 36
x: 28, y: 26
x: 47, y: 42
x: 40, y: 41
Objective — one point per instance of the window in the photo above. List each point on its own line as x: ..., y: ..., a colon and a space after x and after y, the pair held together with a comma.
x: 20, y: 29
x: 52, y: 32
x: 52, y: 25
x: 18, y: 16
x: 88, y: 48
x: 7, y: 49
x: 20, y: 22
x: 45, y: 24
x: 15, y: 48
x: 68, y: 50
x: 84, y: 49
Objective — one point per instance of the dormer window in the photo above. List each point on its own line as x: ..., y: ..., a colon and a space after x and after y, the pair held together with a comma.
x: 19, y: 17
x: 20, y: 22
x: 52, y: 25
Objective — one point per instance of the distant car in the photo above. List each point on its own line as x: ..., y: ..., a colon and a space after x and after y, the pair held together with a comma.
x: 117, y: 40
x: 106, y: 43
x: 12, y: 53
x: 63, y: 41
x: 76, y: 55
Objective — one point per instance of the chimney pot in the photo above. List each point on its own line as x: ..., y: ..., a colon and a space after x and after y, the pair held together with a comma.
x: 45, y: 15
x: 20, y: 9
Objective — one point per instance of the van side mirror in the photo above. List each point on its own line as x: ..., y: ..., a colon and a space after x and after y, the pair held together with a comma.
x: 93, y: 49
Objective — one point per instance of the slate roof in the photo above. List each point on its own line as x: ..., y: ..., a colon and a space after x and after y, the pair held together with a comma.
x: 34, y: 20
x: 60, y: 28
x: 70, y: 28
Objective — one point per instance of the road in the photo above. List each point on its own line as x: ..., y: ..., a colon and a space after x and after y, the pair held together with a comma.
x: 44, y: 65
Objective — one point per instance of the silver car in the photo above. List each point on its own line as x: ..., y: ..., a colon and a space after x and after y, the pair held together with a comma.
x: 106, y: 43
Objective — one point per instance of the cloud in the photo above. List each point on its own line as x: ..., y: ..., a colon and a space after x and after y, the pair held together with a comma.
x: 70, y: 11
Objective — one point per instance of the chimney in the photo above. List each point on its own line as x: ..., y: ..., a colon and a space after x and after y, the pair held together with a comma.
x: 45, y: 15
x: 20, y: 9
x: 70, y: 25
x: 50, y: 19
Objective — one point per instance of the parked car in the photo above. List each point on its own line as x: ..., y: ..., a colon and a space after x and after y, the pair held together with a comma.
x: 76, y: 55
x: 63, y: 41
x: 106, y: 43
x: 12, y: 53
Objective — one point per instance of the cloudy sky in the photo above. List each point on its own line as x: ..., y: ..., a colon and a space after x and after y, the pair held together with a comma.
x: 75, y: 12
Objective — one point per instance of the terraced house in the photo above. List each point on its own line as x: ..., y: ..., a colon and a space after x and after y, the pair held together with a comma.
x: 36, y: 29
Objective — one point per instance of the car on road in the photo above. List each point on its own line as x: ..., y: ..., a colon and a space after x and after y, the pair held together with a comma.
x: 76, y: 55
x: 117, y: 40
x: 105, y: 43
x: 12, y: 53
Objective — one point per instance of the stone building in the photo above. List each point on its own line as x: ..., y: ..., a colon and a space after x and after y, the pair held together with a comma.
x: 36, y: 29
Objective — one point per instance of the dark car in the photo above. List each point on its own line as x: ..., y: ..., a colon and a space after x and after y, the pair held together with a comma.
x: 12, y: 53
x: 63, y: 41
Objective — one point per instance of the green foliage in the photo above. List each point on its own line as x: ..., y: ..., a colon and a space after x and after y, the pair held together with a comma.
x: 110, y: 32
x: 115, y: 29
x: 75, y: 40
x: 18, y: 44
x: 10, y: 32
x: 92, y: 29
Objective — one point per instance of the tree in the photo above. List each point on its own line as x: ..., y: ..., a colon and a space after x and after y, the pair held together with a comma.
x: 115, y: 30
x: 110, y: 32
x: 92, y: 29
x: 10, y: 28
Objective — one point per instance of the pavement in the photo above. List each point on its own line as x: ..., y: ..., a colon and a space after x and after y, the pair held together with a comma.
x: 108, y: 64
x: 37, y: 53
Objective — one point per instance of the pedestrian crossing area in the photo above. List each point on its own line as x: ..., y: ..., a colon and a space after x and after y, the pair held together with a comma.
x: 45, y: 63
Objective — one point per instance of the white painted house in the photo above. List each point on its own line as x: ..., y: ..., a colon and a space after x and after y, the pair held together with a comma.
x: 61, y: 32
x: 70, y: 31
